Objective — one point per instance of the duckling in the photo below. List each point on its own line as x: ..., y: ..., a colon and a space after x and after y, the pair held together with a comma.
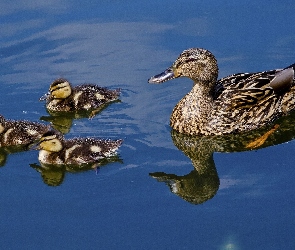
x: 58, y: 151
x: 237, y: 103
x: 22, y: 132
x: 63, y: 97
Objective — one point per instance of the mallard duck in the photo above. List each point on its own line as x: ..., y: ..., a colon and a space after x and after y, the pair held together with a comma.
x: 236, y: 103
x: 56, y: 150
x: 63, y: 97
x: 20, y: 132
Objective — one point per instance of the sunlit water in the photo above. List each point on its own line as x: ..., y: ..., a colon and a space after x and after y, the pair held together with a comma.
x: 121, y: 206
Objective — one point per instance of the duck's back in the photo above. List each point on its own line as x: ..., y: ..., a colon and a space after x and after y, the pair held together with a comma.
x: 88, y: 150
x: 248, y: 101
x: 22, y: 133
x: 89, y: 96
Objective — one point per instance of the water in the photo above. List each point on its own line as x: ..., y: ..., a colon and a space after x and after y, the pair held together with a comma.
x: 122, y: 44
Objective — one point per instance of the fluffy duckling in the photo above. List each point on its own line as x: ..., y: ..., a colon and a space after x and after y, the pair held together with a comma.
x: 56, y: 150
x: 13, y: 132
x: 63, y: 97
x: 236, y: 103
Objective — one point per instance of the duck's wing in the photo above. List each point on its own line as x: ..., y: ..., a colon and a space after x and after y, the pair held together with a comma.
x: 250, y: 100
x: 247, y: 89
x: 94, y: 96
x: 230, y: 82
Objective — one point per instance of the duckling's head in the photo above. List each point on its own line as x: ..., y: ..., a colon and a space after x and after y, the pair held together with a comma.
x: 60, y: 89
x: 51, y: 141
x: 198, y: 64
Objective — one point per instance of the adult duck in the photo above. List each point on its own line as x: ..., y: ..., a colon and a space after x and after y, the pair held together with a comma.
x: 239, y: 102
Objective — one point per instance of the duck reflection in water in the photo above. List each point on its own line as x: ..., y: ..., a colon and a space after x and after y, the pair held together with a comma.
x: 54, y: 175
x: 63, y: 121
x: 202, y: 183
x: 7, y: 150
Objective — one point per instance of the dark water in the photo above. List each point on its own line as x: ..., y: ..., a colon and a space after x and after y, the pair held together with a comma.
x: 148, y: 199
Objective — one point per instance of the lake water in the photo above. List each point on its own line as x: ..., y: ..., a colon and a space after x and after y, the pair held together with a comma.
x: 152, y: 197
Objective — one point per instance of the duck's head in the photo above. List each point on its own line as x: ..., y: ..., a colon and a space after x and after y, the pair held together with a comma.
x: 198, y: 64
x: 51, y: 141
x: 59, y: 89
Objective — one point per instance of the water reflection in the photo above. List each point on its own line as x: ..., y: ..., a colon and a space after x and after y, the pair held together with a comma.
x: 63, y: 121
x: 53, y: 175
x: 5, y: 151
x: 202, y: 183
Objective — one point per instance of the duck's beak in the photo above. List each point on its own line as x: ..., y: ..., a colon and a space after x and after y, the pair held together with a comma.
x: 45, y: 96
x: 166, y: 75
x: 35, y: 146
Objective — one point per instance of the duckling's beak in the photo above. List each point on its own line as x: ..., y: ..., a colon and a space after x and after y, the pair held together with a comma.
x: 45, y: 96
x: 168, y: 74
x: 35, y: 146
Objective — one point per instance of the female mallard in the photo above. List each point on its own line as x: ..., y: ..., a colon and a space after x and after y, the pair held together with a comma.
x: 20, y: 132
x: 63, y: 97
x: 54, y: 149
x: 235, y: 103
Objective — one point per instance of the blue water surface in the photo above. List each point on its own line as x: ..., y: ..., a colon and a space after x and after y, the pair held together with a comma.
x: 120, y: 44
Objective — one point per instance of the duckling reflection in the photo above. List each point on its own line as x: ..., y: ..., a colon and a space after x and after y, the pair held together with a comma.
x: 202, y: 183
x: 7, y: 150
x: 54, y: 175
x: 60, y: 121
x: 63, y: 121
x: 51, y: 175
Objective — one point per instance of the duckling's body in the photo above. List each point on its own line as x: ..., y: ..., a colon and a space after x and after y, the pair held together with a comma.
x: 235, y: 103
x: 58, y: 151
x: 63, y: 97
x: 13, y: 132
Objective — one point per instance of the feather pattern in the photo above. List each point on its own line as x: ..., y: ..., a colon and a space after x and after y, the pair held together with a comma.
x: 20, y: 132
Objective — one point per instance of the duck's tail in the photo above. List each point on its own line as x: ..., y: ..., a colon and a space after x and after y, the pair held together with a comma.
x: 291, y: 66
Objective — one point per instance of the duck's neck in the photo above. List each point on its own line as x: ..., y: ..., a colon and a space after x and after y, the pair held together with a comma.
x: 190, y: 114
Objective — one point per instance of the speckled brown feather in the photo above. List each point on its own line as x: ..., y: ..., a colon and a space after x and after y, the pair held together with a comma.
x: 20, y: 132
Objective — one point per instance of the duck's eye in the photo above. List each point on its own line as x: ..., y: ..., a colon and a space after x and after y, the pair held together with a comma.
x: 188, y: 60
